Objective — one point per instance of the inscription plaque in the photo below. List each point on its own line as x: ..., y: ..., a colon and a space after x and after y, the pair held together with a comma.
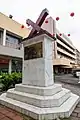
x: 33, y: 51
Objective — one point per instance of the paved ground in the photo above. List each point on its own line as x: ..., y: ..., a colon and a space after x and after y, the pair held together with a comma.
x: 68, y: 78
x: 71, y: 83
x: 75, y: 89
x: 9, y: 114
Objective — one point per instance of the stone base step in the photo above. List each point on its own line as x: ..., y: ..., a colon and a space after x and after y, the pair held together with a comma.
x: 50, y: 90
x: 38, y: 113
x: 40, y: 101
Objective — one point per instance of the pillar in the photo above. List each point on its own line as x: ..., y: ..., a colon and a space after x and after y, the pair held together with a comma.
x: 10, y: 66
x: 22, y: 48
x: 4, y: 37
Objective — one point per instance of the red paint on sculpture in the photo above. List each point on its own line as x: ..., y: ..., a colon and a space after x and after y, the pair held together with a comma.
x: 68, y: 34
x: 60, y: 34
x: 22, y: 26
x: 57, y: 18
x: 72, y: 14
x: 46, y: 21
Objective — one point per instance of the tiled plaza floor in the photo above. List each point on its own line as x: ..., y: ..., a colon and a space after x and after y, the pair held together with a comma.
x: 8, y: 114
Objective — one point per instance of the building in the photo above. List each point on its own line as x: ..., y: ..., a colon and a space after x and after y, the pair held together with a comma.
x: 77, y: 61
x: 11, y: 51
x: 64, y: 55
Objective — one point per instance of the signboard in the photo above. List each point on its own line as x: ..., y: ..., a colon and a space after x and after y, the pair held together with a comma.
x: 33, y: 51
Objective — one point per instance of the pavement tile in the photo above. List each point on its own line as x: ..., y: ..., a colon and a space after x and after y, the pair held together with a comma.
x: 74, y: 114
x: 1, y: 105
x: 74, y: 118
x: 17, y: 117
x: 1, y: 116
x: 10, y: 115
x: 79, y: 115
x: 77, y: 110
x: 78, y: 105
x: 9, y: 109
x: 4, y: 111
x: 5, y: 118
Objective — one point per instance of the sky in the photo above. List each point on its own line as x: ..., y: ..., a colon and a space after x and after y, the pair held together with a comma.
x: 24, y: 9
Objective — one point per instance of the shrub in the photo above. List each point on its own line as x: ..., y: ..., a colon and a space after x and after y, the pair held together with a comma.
x: 16, y: 78
x: 9, y: 80
x: 6, y: 81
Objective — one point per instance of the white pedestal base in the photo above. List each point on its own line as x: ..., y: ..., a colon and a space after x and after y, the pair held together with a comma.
x: 39, y: 102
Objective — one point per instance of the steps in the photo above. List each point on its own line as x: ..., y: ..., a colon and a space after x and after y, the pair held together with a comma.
x: 50, y: 90
x: 41, y: 113
x: 40, y: 101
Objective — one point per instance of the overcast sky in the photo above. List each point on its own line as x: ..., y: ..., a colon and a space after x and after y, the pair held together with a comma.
x: 23, y: 9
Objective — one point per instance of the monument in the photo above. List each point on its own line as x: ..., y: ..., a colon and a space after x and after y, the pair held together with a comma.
x: 38, y: 96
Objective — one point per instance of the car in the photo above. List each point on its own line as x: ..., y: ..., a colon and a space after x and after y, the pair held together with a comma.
x: 74, y: 71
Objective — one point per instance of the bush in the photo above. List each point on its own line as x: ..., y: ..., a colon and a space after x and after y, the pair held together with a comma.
x: 9, y: 80
x: 16, y: 78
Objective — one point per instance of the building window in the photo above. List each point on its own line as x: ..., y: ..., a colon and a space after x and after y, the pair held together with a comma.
x: 12, y: 41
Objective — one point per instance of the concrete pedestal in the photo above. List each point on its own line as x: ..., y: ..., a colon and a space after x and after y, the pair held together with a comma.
x: 38, y: 96
x: 40, y: 102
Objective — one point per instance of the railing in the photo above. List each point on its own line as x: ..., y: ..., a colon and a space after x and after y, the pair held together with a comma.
x: 66, y: 53
x: 13, y: 45
x: 61, y: 61
x: 9, y: 51
x: 61, y: 43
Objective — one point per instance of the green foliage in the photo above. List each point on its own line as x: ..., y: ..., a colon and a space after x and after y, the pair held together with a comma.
x: 16, y: 78
x: 9, y: 80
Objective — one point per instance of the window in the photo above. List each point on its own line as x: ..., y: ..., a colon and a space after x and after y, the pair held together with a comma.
x: 12, y: 39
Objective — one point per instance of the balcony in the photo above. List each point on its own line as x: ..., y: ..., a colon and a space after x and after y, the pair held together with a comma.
x: 65, y: 40
x: 65, y: 63
x: 66, y: 53
x: 68, y: 48
x: 61, y: 61
x: 9, y: 51
x: 11, y: 45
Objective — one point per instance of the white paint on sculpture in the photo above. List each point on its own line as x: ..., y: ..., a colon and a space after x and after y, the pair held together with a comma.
x: 34, y: 72
x: 50, y: 26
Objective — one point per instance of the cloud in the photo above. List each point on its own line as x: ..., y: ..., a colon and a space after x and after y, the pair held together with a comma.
x: 23, y: 9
